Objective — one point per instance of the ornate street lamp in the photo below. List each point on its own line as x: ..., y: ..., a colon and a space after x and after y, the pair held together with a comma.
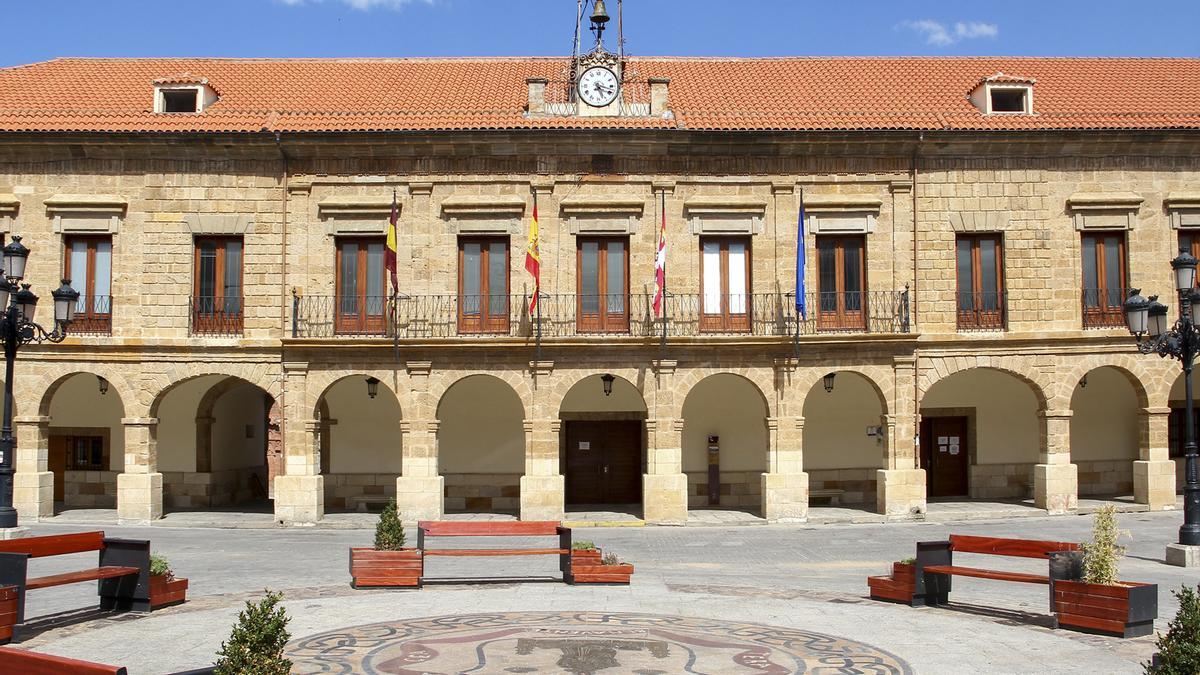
x: 17, y: 328
x: 372, y: 387
x: 1148, y: 318
x: 827, y: 381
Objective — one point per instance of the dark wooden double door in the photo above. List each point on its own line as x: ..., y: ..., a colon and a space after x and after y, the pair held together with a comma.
x: 944, y: 455
x: 604, y: 462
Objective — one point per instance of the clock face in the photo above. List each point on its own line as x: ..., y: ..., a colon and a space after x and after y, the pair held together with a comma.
x: 598, y: 86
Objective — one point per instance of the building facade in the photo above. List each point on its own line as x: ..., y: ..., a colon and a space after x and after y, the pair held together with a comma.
x: 971, y: 228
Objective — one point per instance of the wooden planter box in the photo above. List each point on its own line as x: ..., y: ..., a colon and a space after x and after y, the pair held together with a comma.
x: 1128, y: 610
x: 164, y: 592
x: 8, y: 613
x: 386, y: 569
x: 586, y: 569
x: 899, y: 587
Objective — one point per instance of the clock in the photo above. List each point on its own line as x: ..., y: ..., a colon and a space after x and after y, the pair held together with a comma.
x: 598, y: 86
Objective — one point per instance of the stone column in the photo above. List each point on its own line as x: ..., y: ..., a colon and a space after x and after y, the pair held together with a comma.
x: 33, y: 484
x: 1153, y: 473
x: 300, y: 492
x: 785, y: 485
x: 140, y: 485
x: 664, y: 485
x: 419, y: 488
x: 543, y: 487
x: 900, y: 488
x: 1055, y: 478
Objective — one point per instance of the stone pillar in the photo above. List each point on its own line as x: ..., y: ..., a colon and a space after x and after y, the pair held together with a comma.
x: 419, y: 488
x: 140, y: 485
x: 1153, y: 473
x: 664, y: 487
x: 543, y: 487
x: 1055, y: 478
x: 33, y: 484
x: 300, y: 492
x: 785, y: 485
x: 900, y: 487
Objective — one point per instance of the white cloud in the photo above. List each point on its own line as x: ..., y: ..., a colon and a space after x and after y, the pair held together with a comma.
x: 939, y: 34
x: 364, y: 5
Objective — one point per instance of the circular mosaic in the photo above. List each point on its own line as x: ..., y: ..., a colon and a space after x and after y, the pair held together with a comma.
x: 583, y: 643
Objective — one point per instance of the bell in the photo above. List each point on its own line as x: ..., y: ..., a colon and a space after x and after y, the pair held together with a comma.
x: 599, y: 14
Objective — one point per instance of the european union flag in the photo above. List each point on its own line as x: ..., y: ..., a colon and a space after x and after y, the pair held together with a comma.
x: 801, y: 309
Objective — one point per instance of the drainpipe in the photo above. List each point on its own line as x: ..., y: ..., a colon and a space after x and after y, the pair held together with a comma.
x: 912, y: 310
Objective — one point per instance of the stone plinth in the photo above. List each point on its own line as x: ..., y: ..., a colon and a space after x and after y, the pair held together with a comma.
x: 1154, y: 484
x: 543, y: 497
x: 785, y: 497
x: 139, y: 498
x: 419, y: 497
x: 299, y: 500
x: 33, y: 495
x: 900, y: 492
x: 1183, y: 556
x: 664, y: 498
x: 1056, y: 487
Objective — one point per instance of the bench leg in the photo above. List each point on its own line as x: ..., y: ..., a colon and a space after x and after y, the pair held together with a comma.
x: 564, y: 561
x: 932, y: 589
x: 132, y: 591
x: 13, y: 568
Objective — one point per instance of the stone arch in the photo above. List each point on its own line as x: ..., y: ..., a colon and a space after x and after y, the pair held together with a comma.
x: 731, y: 407
x: 623, y: 387
x: 44, y: 386
x: 1130, y: 367
x: 481, y: 444
x: 934, y: 370
x: 85, y: 438
x: 264, y: 376
x: 838, y: 453
x: 516, y: 381
x: 762, y: 379
x: 879, y: 378
x: 602, y: 439
x: 1106, y: 428
x: 635, y: 378
x: 360, y: 438
x: 320, y: 382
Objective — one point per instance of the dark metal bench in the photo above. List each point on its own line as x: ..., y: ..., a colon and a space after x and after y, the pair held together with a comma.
x: 529, y: 528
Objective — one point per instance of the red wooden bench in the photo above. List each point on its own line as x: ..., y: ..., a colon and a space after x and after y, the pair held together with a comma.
x: 32, y: 663
x: 935, y: 564
x: 123, y: 572
x: 528, y: 528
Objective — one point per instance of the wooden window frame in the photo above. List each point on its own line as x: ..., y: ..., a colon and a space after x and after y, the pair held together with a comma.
x: 484, y: 322
x: 1190, y: 240
x: 725, y: 321
x: 89, y: 320
x: 216, y: 319
x: 841, y: 319
x: 1103, y: 315
x: 67, y: 436
x: 361, y: 322
x: 603, y: 321
x: 977, y: 318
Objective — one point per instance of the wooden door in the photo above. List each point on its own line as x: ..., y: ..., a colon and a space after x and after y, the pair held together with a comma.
x: 945, y: 456
x: 58, y: 465
x: 604, y: 462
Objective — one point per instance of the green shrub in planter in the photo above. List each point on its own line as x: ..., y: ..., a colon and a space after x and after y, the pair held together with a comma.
x: 582, y: 546
x: 160, y: 566
x: 389, y: 531
x: 256, y: 645
x: 1179, y: 648
x: 1102, y: 555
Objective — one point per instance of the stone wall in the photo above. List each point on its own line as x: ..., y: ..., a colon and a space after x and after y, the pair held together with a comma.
x: 741, y: 489
x: 90, y: 489
x: 858, y: 485
x: 482, y: 492
x: 1000, y: 481
x: 1105, y: 478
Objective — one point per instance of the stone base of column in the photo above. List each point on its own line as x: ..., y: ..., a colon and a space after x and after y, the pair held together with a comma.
x: 1183, y: 556
x: 299, y: 500
x: 33, y: 495
x: 1154, y: 484
x: 543, y: 497
x: 900, y: 493
x: 420, y: 497
x: 1056, y: 487
x: 785, y: 497
x: 139, y: 498
x: 664, y: 498
x: 18, y: 532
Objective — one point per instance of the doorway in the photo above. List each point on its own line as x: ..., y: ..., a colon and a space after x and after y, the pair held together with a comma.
x: 945, y: 456
x: 604, y: 462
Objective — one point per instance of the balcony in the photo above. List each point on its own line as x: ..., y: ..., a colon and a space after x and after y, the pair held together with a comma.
x: 1103, y: 307
x: 215, y: 316
x: 567, y: 316
x: 93, y: 316
x: 982, y: 311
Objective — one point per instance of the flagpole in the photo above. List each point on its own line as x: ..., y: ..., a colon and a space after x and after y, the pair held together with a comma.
x: 662, y: 236
x: 799, y: 285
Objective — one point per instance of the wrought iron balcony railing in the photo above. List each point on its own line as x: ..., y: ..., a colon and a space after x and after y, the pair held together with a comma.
x: 1104, y: 307
x: 982, y: 311
x: 93, y: 315
x: 217, y: 316
x: 687, y: 315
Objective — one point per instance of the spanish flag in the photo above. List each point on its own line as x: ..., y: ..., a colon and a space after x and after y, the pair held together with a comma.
x: 389, y: 252
x: 533, y: 258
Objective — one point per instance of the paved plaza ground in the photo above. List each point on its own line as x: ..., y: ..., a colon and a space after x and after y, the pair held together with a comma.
x: 703, y: 592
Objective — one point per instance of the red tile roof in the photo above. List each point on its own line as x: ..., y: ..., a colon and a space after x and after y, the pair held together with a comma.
x: 347, y: 95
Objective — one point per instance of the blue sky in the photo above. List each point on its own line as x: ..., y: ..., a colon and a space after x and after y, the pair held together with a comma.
x: 324, y: 28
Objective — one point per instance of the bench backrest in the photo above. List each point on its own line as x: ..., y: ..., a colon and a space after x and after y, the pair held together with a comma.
x: 488, y: 528
x: 35, y: 663
x: 55, y: 544
x: 1020, y: 548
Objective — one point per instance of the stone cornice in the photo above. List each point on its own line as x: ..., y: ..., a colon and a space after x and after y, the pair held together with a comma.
x: 509, y: 205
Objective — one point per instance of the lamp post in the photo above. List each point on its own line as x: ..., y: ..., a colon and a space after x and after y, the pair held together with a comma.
x: 1147, y: 317
x: 18, y: 328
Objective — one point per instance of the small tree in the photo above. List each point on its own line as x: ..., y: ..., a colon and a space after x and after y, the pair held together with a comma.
x: 1179, y: 649
x: 1102, y: 555
x: 256, y: 645
x: 389, y: 531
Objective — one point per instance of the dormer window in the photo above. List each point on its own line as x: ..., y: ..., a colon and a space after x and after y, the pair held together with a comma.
x: 1002, y: 94
x: 183, y: 94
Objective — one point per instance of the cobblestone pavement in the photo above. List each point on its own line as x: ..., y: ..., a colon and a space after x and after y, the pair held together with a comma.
x: 804, y: 579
